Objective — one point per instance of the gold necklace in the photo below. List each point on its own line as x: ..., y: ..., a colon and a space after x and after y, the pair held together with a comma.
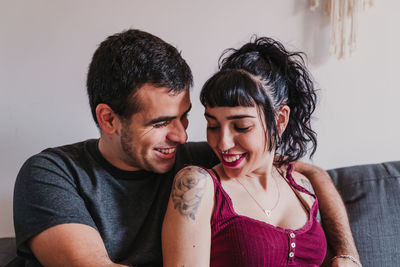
x: 267, y: 212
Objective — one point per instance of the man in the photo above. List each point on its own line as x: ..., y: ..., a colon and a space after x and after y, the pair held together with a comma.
x: 102, y: 202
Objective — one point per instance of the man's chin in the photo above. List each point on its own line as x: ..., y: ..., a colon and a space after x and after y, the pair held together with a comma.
x: 162, y: 171
x: 163, y: 167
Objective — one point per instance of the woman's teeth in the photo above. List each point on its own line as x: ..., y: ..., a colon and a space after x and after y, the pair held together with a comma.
x: 231, y: 158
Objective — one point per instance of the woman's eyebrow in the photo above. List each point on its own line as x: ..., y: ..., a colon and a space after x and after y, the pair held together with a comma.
x: 234, y: 117
x: 239, y: 117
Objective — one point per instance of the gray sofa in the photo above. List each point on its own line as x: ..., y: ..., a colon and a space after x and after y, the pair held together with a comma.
x: 7, y: 250
x: 371, y: 194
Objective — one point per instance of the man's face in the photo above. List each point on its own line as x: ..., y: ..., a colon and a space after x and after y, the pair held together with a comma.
x: 150, y: 137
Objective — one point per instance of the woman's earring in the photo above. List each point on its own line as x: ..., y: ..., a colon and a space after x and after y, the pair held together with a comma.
x: 278, y: 142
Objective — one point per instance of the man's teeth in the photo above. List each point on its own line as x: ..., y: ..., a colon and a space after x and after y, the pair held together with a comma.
x: 231, y: 158
x: 166, y: 150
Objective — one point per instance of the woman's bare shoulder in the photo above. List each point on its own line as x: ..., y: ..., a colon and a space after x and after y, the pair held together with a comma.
x: 193, y: 173
x: 192, y: 186
x: 303, y: 181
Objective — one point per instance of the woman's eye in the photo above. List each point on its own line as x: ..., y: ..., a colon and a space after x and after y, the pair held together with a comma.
x: 242, y: 129
x: 161, y: 124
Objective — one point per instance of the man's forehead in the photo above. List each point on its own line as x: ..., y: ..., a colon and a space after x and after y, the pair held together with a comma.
x: 160, y: 101
x: 149, y: 92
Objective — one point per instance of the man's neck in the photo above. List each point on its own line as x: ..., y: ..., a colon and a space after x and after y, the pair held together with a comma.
x: 111, y: 152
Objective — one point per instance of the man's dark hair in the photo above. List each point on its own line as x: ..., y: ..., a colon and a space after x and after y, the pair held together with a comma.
x: 126, y: 61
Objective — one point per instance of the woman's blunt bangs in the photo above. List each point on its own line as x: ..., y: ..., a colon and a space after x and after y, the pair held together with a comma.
x: 232, y: 88
x: 229, y: 89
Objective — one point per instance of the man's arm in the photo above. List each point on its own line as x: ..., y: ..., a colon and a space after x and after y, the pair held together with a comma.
x: 51, y: 218
x: 333, y: 213
x: 70, y: 245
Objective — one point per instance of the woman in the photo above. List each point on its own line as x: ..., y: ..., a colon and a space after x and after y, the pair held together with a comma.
x: 252, y: 209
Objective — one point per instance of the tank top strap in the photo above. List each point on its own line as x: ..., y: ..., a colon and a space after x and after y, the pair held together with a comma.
x: 223, y: 207
x: 216, y: 180
x: 214, y: 176
x: 294, y: 184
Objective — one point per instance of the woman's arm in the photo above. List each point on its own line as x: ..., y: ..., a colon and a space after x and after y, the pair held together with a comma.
x: 333, y: 212
x: 186, y: 231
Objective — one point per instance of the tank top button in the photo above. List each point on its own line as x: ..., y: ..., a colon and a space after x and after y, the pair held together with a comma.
x: 293, y: 245
x: 291, y: 254
x: 292, y: 235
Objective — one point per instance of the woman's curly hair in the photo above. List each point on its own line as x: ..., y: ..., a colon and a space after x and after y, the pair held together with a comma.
x: 275, y: 77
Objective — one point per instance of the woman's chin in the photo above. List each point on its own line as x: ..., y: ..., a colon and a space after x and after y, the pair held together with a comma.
x: 233, y: 172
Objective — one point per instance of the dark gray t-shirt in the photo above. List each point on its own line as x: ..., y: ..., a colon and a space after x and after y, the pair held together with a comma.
x: 75, y: 184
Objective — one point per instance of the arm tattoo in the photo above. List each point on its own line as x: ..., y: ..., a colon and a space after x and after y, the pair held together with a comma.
x: 188, y: 190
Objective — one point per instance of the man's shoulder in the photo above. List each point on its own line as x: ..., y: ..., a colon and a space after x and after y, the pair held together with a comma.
x: 59, y: 158
x: 69, y: 151
x: 73, y: 149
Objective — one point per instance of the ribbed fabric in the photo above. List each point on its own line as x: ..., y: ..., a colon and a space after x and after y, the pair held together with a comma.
x: 238, y: 240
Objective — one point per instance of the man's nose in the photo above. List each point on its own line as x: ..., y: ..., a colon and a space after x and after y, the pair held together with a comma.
x: 178, y: 133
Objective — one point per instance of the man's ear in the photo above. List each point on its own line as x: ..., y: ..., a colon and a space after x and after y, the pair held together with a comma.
x: 282, y: 118
x: 108, y: 121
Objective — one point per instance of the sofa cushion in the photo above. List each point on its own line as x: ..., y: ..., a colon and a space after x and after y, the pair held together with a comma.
x: 371, y: 194
x: 7, y: 250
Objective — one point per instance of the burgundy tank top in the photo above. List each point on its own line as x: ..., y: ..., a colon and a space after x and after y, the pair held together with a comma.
x: 238, y: 240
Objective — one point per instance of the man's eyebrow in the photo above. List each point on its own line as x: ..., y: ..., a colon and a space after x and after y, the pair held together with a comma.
x: 230, y: 117
x: 167, y: 118
x: 160, y: 119
x: 187, y: 111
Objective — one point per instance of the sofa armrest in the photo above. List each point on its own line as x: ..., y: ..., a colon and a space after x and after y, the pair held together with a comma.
x: 371, y: 194
x: 7, y: 250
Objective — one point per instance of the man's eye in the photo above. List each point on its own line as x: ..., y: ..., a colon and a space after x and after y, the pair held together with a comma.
x: 212, y: 128
x: 161, y: 124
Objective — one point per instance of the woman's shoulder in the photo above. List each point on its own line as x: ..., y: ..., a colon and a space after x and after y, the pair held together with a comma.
x: 303, y: 182
x: 192, y: 189
x: 193, y: 173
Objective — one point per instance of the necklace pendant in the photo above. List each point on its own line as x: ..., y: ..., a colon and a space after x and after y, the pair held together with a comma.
x: 267, y: 212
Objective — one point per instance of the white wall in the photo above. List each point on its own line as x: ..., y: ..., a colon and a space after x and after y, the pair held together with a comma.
x: 46, y: 46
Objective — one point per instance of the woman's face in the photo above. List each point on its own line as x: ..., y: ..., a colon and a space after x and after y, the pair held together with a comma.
x: 237, y: 136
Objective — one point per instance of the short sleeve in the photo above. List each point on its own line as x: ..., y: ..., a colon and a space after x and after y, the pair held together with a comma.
x: 46, y: 194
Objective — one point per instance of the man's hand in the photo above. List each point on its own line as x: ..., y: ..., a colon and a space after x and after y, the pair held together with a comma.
x: 70, y: 244
x: 342, y: 262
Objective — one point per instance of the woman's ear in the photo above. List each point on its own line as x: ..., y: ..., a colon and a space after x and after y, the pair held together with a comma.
x: 282, y: 118
x: 108, y: 121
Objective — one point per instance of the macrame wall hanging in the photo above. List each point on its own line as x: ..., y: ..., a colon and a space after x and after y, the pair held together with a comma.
x: 343, y: 23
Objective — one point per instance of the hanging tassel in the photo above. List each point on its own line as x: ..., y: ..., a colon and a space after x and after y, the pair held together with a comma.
x: 343, y: 23
x: 314, y: 4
